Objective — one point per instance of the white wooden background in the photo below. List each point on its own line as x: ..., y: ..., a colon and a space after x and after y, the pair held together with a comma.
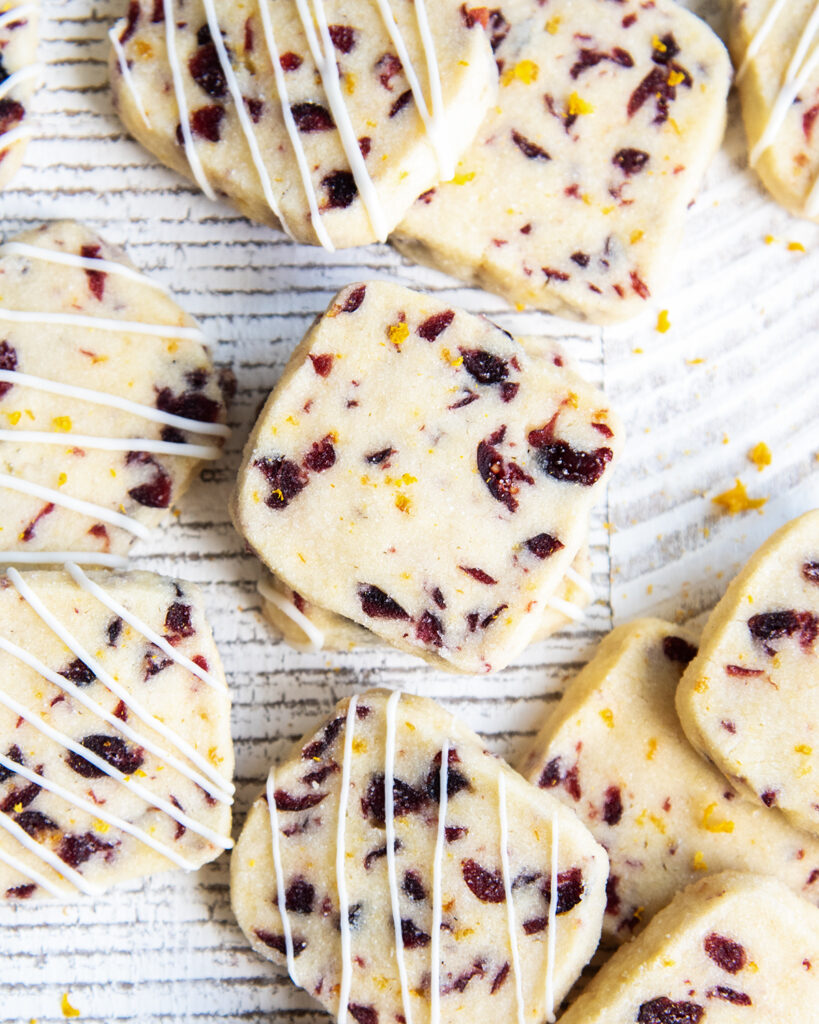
x: 168, y: 950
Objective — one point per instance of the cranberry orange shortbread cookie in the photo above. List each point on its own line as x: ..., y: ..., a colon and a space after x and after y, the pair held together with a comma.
x: 417, y: 472
x: 614, y: 751
x: 325, y: 118
x: 108, y: 398
x: 750, y: 699
x: 573, y: 196
x: 731, y: 949
x: 115, y: 749
x: 19, y: 31
x: 402, y: 872
x: 773, y: 43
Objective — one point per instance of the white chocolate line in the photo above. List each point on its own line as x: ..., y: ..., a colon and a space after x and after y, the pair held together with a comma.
x: 32, y: 874
x: 21, y: 11
x: 100, y: 323
x: 292, y: 129
x: 179, y: 89
x: 68, y: 259
x: 68, y: 687
x: 60, y: 557
x: 139, y: 790
x: 84, y: 508
x: 803, y: 44
x: 108, y: 680
x: 146, y: 412
x: 102, y: 595
x: 30, y: 71
x: 579, y: 581
x: 111, y: 444
x: 437, y: 869
x: 341, y: 864
x: 18, y: 134
x: 760, y: 36
x: 389, y: 819
x: 314, y: 635
x: 44, y: 854
x: 510, y: 903
x: 566, y: 608
x: 125, y: 71
x: 551, y: 938
x: 281, y: 897
x: 98, y: 812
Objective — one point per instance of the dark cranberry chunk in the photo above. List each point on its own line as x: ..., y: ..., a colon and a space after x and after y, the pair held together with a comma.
x: 543, y: 545
x: 412, y: 886
x: 321, y: 456
x: 112, y: 749
x: 559, y: 460
x: 530, y: 149
x: 406, y: 800
x: 21, y: 892
x: 630, y: 161
x: 436, y: 324
x: 20, y: 797
x: 113, y: 631
x: 35, y: 824
x: 554, y: 775
x: 378, y: 605
x: 154, y: 662
x: 277, y: 942
x: 206, y: 122
x: 591, y: 58
x: 677, y: 649
x: 729, y: 955
x: 501, y: 478
x: 178, y: 619
x: 207, y: 71
x: 499, y: 978
x: 810, y: 570
x: 78, y: 673
x: 312, y: 117
x: 388, y: 66
x: 483, y: 367
x: 299, y: 897
x: 479, y: 575
x: 354, y: 299
x: 430, y: 630
x: 322, y: 364
x: 286, y: 480
x: 315, y: 750
x: 341, y: 189
x: 773, y: 625
x: 376, y: 458
x: 612, y: 806
x: 663, y: 1011
x: 456, y: 781
x: 570, y: 890
x: 412, y: 935
x: 157, y: 492
x: 77, y: 849
x: 96, y: 278
x: 729, y: 995
x: 288, y: 802
x: 192, y: 405
x: 13, y: 754
x: 487, y: 886
x: 131, y: 21
x: 363, y: 1014
x: 290, y: 61
x: 30, y: 530
x: 11, y: 113
x: 343, y: 37
x: 8, y: 361
x: 401, y: 102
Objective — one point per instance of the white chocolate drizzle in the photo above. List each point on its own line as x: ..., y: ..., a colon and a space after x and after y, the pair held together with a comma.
x: 341, y: 865
x: 84, y: 508
x: 551, y: 938
x: 31, y: 71
x: 573, y: 576
x: 69, y: 259
x: 389, y: 819
x: 566, y: 608
x: 146, y: 412
x: 114, y: 34
x: 281, y: 896
x: 44, y: 854
x: 507, y: 888
x: 31, y: 873
x: 11, y: 138
x: 23, y: 131
x: 111, y: 444
x: 100, y: 323
x: 181, y: 101
x: 60, y: 557
x: 761, y: 34
x: 437, y: 870
x: 315, y: 637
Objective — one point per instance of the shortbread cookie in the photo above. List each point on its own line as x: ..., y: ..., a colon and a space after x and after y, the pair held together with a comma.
x: 614, y: 751
x: 449, y: 474
x: 108, y: 398
x: 326, y: 118
x: 307, y: 627
x: 404, y: 873
x: 731, y: 948
x: 750, y: 699
x: 115, y: 749
x: 19, y: 74
x: 572, y: 198
x: 773, y: 43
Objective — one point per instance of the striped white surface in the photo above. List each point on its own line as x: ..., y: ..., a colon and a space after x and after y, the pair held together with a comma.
x: 168, y: 950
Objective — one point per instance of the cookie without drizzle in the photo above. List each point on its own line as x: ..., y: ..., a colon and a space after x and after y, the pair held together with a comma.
x: 750, y: 699
x: 19, y: 74
x: 572, y: 198
x: 449, y: 474
x: 115, y: 751
x: 614, y: 751
x: 437, y: 907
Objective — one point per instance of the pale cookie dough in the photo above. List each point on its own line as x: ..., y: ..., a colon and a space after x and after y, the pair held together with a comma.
x: 19, y: 74
x: 731, y: 949
x: 773, y: 43
x: 449, y: 474
x: 442, y: 908
x: 109, y: 400
x: 614, y: 751
x: 115, y: 748
x: 332, y: 133
x: 750, y: 699
x: 573, y: 197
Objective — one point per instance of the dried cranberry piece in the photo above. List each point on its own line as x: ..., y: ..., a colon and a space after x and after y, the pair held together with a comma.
x: 178, y: 619
x: 157, y: 492
x: 630, y: 161
x: 206, y: 122
x: 412, y: 886
x: 113, y: 632
x: 11, y: 113
x: 475, y: 16
x: 378, y: 605
x: 666, y: 51
x: 412, y: 935
x: 456, y: 781
x: 341, y: 189
x: 315, y: 750
x: 13, y: 754
x: 290, y: 61
x: 30, y: 530
x: 655, y: 86
x: 612, y: 806
x: 729, y: 955
x: 112, y: 749
x: 8, y: 361
x: 487, y: 886
x: 455, y: 832
x: 663, y: 1011
x: 299, y: 897
x: 21, y: 892
x: 286, y: 480
x: 376, y: 458
x: 354, y: 299
x: 321, y: 456
x: 677, y: 649
x: 312, y: 117
x: 438, y: 598
x: 612, y: 896
x: 479, y: 575
x: 570, y: 889
x: 559, y: 460
x: 323, y: 364
x: 436, y: 324
x: 131, y: 22
x: 483, y: 367
x: 406, y: 800
x: 388, y: 66
x: 729, y: 995
x: 20, y: 797
x: 543, y: 545
x: 530, y: 149
x: 34, y: 823
x: 204, y: 36
x: 477, y: 970
x: 277, y: 942
x: 363, y: 1014
x: 430, y: 630
x: 78, y: 673
x: 96, y: 278
x: 468, y: 399
x: 343, y: 37
x: 508, y: 390
x: 190, y: 404
x: 288, y: 802
x: 591, y: 58
x: 77, y: 849
x: 320, y: 774
x: 154, y: 662
x: 554, y: 775
x: 810, y: 570
x: 401, y: 102
x: 207, y: 71
x: 499, y: 978
x: 768, y: 797
x: 501, y: 478
x: 769, y: 626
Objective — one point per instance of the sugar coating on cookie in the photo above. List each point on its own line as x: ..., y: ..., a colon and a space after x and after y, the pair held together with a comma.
x: 109, y: 400
x: 326, y: 118
x: 450, y: 475
x: 403, y: 872
x: 573, y: 196
x: 773, y: 43
x: 614, y: 751
x: 19, y: 74
x: 750, y: 699
x: 115, y: 751
x: 732, y: 947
